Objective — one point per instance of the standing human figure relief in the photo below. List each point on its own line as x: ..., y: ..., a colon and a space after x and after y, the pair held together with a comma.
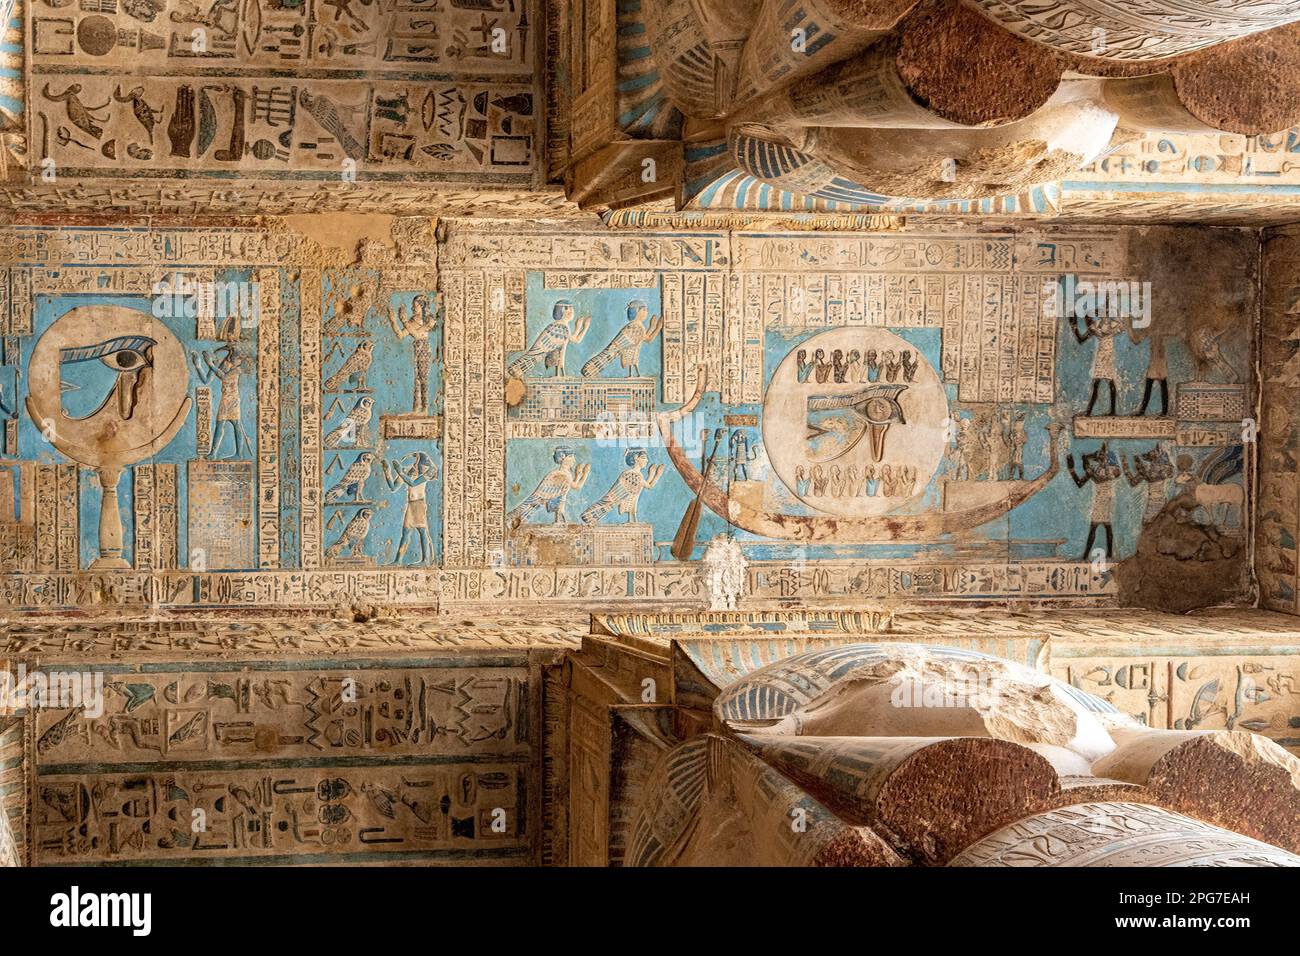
x: 82, y: 116
x: 963, y: 441
x: 1017, y: 438
x: 414, y: 472
x: 743, y: 452
x: 226, y: 364
x: 353, y: 370
x: 1157, y: 372
x: 724, y: 573
x: 1103, y: 328
x: 1152, y: 469
x: 1101, y: 468
x: 417, y: 326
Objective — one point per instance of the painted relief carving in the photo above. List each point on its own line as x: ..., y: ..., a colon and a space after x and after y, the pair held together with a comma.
x: 132, y: 371
x: 419, y: 761
x: 871, y: 414
x: 358, y: 92
x: 707, y: 415
x: 573, y: 416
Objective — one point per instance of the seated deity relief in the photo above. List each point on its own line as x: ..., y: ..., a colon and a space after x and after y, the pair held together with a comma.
x: 899, y: 754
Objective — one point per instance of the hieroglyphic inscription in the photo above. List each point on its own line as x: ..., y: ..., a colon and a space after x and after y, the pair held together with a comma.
x: 203, y: 421
x: 351, y: 96
x: 156, y: 516
x: 311, y: 523
x: 330, y: 813
x: 58, y: 518
x: 268, y: 420
x: 726, y: 300
x: 456, y: 414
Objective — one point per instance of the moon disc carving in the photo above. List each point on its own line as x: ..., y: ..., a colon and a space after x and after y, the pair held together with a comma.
x: 833, y: 443
x: 139, y: 392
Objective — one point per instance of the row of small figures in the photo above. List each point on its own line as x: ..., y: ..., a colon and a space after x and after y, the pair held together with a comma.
x: 888, y: 481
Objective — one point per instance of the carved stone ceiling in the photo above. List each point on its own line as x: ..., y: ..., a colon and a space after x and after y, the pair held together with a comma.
x: 270, y: 106
x: 440, y: 107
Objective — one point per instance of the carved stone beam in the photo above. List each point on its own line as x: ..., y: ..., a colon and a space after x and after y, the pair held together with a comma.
x: 626, y: 173
x: 1234, y: 779
x: 1151, y: 103
x: 788, y: 42
x: 1111, y: 32
x: 929, y: 796
x: 779, y: 823
x: 1250, y: 86
x: 963, y: 163
x: 697, y: 47
x: 949, y: 162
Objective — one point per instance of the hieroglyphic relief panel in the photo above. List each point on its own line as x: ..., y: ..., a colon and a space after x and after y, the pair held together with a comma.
x: 234, y: 715
x: 284, y: 91
x: 281, y: 412
x: 1024, y: 444
x: 1221, y: 178
x: 296, y: 636
x: 426, y: 759
x: 1234, y: 669
x: 507, y: 415
x: 1259, y: 693
x: 1199, y: 161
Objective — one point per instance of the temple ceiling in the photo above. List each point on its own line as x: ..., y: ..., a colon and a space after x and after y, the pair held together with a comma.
x: 863, y: 324
x: 735, y: 113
